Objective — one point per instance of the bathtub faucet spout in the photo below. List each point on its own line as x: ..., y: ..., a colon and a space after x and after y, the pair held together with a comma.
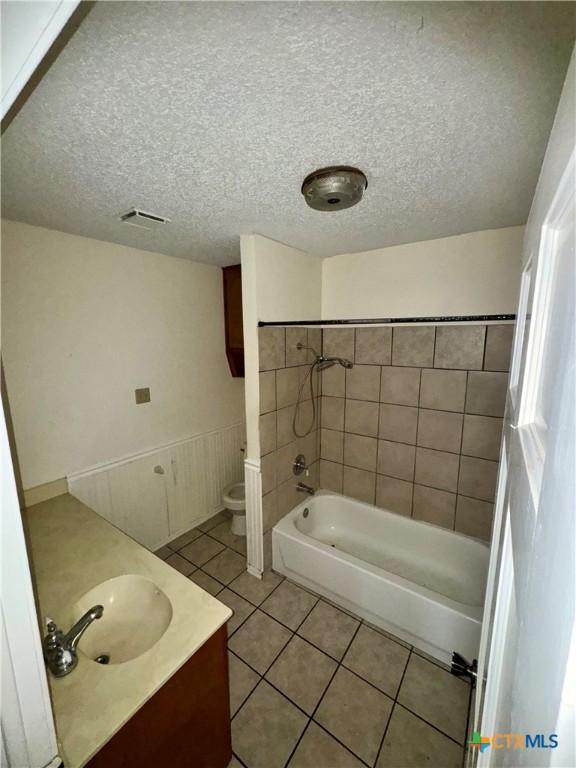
x: 303, y: 488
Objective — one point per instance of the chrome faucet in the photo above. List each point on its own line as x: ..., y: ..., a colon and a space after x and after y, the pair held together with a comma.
x: 303, y: 488
x: 60, y: 649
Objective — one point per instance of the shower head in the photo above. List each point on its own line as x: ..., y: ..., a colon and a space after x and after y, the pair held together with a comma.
x: 327, y: 362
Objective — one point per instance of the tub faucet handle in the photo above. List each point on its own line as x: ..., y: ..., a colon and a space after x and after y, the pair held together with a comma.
x: 299, y: 465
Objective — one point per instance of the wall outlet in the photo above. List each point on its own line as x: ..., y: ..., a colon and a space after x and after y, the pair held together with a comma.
x: 142, y: 395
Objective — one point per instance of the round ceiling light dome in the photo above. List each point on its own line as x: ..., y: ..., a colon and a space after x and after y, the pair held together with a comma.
x: 334, y: 188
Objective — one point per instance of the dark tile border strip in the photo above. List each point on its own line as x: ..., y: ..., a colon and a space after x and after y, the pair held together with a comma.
x: 391, y: 320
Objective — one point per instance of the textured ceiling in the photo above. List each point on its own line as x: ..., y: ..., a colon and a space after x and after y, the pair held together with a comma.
x: 212, y: 114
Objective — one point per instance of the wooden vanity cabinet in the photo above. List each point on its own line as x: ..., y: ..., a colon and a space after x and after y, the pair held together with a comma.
x: 234, y: 331
x: 186, y: 724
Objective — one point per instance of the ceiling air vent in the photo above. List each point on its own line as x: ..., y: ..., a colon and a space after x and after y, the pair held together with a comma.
x: 142, y: 219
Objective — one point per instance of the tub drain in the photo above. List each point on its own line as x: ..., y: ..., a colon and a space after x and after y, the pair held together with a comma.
x: 104, y: 658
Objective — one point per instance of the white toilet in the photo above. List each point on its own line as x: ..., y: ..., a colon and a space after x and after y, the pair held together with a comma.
x: 234, y: 499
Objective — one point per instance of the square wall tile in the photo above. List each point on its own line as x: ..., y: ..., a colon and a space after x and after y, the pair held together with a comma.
x: 331, y: 475
x: 434, y: 506
x: 295, y: 356
x: 474, y: 517
x: 443, y: 390
x: 360, y: 451
x: 271, y: 348
x: 478, y: 478
x: 396, y: 460
x: 482, y: 436
x: 314, y: 341
x: 440, y: 430
x: 308, y: 416
x: 498, y: 347
x: 288, y: 497
x: 460, y: 346
x: 285, y: 461
x: 333, y: 413
x: 268, y: 472
x: 267, y: 433
x: 373, y: 346
x: 359, y: 484
x: 362, y: 417
x: 338, y: 342
x: 267, y: 391
x: 284, y: 432
x: 309, y: 445
x: 400, y: 386
x: 363, y: 382
x: 333, y: 381
x: 437, y: 469
x: 287, y: 383
x: 394, y: 495
x: 413, y: 346
x: 332, y: 445
x: 486, y: 393
x: 398, y: 423
x: 304, y: 373
x: 269, y: 510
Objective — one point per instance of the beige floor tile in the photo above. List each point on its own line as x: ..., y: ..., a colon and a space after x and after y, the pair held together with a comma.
x: 201, y: 550
x: 329, y: 629
x: 242, y: 608
x: 253, y: 589
x: 186, y: 538
x: 412, y: 743
x: 259, y: 640
x: 436, y: 696
x: 234, y: 763
x: 377, y: 659
x: 206, y: 582
x: 226, y: 566
x: 223, y: 533
x: 302, y: 673
x: 215, y: 520
x: 355, y: 713
x: 182, y: 565
x: 266, y: 729
x: 243, y: 680
x: 318, y: 749
x: 163, y: 552
x: 289, y: 604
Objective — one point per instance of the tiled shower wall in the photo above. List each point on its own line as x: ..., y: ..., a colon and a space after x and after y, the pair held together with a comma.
x: 282, y: 369
x: 415, y: 426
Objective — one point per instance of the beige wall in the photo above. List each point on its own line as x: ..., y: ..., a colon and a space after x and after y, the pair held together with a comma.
x: 472, y: 274
x: 84, y: 323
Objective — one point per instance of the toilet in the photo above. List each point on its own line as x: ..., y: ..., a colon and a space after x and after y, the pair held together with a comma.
x: 234, y: 499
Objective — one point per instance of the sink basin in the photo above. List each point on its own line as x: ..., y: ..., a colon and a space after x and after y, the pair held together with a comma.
x: 136, y: 615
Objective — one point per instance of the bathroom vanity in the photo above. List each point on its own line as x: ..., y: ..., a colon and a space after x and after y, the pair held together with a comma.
x: 162, y: 697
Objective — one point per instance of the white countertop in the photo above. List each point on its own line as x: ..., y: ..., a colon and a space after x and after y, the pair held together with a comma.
x: 73, y: 549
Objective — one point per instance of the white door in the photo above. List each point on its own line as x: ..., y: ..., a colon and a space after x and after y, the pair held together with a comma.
x: 527, y: 663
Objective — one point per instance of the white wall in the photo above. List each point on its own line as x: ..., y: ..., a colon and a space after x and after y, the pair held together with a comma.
x: 279, y: 283
x: 84, y: 323
x: 476, y: 273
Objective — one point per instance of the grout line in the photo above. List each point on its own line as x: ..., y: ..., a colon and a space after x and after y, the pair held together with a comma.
x: 393, y: 707
x: 321, y: 699
x: 435, y: 727
x: 242, y: 763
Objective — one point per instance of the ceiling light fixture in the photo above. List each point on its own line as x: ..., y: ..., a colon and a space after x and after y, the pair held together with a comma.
x: 334, y: 188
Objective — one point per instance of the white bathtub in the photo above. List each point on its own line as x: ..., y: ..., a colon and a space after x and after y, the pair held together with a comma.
x: 422, y: 583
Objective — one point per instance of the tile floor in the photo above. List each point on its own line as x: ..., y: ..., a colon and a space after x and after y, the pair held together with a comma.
x: 311, y: 686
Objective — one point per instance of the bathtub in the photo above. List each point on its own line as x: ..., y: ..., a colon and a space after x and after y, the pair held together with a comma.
x: 422, y: 583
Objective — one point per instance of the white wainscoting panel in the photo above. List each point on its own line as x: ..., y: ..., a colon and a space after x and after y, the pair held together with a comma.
x: 255, y: 548
x: 156, y: 496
